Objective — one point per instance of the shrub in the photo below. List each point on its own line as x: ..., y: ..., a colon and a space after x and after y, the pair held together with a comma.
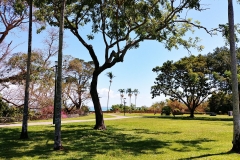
x: 166, y: 110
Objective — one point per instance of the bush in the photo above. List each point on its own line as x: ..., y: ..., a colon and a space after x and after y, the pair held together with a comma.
x: 166, y: 110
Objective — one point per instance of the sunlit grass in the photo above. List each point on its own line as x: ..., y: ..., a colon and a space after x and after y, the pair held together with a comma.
x: 148, y: 137
x: 90, y: 116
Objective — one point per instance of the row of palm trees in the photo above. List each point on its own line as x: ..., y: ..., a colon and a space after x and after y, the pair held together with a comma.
x: 129, y: 91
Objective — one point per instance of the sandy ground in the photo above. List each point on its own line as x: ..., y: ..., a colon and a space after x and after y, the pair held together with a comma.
x: 67, y: 121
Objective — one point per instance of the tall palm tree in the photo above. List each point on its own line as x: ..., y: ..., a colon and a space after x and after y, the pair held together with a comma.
x: 129, y: 91
x: 57, y: 136
x: 121, y: 94
x: 24, y: 133
x: 136, y: 92
x: 110, y: 76
x: 236, y: 115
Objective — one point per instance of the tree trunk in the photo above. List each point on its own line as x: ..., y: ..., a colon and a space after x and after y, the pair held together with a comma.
x: 24, y: 133
x: 236, y: 116
x: 57, y: 136
x: 191, y: 113
x: 97, y: 106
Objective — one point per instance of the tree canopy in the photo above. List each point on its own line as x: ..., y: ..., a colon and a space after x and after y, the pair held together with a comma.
x: 122, y: 26
x: 186, y: 80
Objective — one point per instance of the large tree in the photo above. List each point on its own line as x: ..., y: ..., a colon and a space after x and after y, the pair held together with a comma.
x: 122, y: 26
x: 185, y: 80
x: 234, y: 80
x: 76, y: 89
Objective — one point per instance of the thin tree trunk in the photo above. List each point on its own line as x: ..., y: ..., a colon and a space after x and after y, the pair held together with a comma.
x: 135, y: 101
x: 121, y: 98
x: 24, y: 133
x: 97, y: 106
x: 57, y: 138
x: 236, y: 116
x: 108, y: 94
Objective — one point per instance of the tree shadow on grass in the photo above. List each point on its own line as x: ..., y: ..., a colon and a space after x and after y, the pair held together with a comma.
x: 147, y: 131
x: 80, y: 140
x: 110, y: 141
x: 208, y: 155
x: 14, y: 147
x: 188, y: 145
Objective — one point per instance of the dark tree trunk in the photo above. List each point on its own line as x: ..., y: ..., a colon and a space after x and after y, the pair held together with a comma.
x: 97, y: 106
x: 24, y: 133
x: 191, y: 113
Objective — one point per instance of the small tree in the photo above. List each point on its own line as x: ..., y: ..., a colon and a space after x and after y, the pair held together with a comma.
x: 136, y: 92
x: 110, y: 76
x: 129, y: 92
x: 121, y: 94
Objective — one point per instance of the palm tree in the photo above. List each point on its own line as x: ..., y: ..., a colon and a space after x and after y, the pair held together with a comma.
x: 110, y: 76
x: 121, y: 94
x: 236, y: 115
x: 24, y: 133
x: 57, y: 136
x: 136, y: 92
x: 129, y: 92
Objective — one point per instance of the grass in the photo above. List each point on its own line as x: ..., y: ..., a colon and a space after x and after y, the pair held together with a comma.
x: 141, y: 138
x: 90, y: 116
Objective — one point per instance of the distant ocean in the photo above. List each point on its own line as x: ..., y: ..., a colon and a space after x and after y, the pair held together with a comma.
x: 103, y: 108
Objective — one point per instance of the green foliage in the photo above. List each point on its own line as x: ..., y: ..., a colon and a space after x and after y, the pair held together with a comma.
x: 120, y: 108
x: 186, y: 80
x: 116, y: 107
x: 5, y: 111
x: 220, y: 102
x: 20, y: 7
x: 225, y: 32
x: 166, y: 110
x: 219, y: 64
x: 9, y: 111
x: 85, y: 108
x: 110, y: 75
x: 78, y: 74
x: 118, y: 21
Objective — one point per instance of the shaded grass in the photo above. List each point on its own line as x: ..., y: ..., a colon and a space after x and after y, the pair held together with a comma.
x: 147, y: 137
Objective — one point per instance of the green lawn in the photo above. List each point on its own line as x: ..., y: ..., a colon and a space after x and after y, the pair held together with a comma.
x: 151, y: 137
x: 90, y: 116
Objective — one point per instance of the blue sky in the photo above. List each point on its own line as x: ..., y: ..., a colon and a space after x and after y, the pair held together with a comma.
x: 136, y: 70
